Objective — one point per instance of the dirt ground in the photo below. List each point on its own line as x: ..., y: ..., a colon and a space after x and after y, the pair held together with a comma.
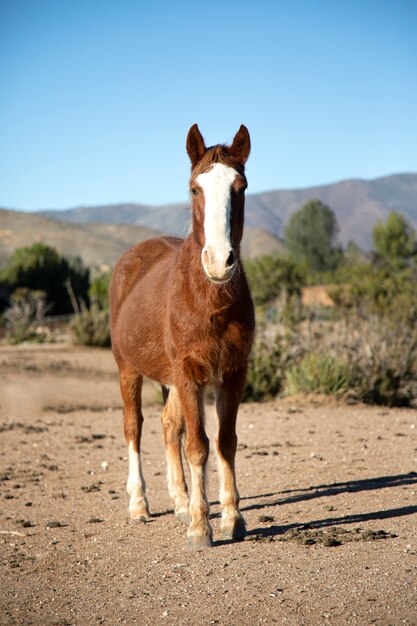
x: 328, y: 491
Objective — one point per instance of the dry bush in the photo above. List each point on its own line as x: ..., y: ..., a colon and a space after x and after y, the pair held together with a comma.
x: 367, y: 357
x: 385, y: 356
x: 381, y: 355
x: 26, y: 316
x: 90, y: 327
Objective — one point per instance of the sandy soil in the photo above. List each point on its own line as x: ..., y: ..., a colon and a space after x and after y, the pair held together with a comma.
x: 328, y: 491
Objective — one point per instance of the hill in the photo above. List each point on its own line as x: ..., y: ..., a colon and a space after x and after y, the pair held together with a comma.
x: 99, y: 244
x: 357, y: 203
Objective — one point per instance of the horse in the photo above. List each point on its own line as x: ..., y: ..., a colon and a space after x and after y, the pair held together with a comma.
x: 181, y: 314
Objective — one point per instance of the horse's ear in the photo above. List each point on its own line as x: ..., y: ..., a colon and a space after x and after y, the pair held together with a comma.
x: 240, y: 147
x: 196, y: 147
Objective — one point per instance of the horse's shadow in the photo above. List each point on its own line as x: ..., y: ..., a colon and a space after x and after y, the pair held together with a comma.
x: 326, y: 490
x: 322, y: 491
x: 333, y: 489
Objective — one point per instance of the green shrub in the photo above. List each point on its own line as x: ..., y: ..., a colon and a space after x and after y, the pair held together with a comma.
x: 320, y: 373
x: 90, y: 327
x: 25, y: 316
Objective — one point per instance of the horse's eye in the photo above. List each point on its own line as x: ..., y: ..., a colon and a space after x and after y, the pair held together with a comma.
x: 242, y: 190
x: 194, y: 191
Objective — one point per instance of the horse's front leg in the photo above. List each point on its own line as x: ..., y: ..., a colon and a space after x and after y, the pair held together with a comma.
x: 197, y: 449
x: 131, y: 387
x: 227, y: 402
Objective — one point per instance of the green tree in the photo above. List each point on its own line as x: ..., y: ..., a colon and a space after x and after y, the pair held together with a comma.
x: 99, y: 290
x: 395, y: 240
x: 41, y: 268
x: 311, y: 235
x: 268, y: 276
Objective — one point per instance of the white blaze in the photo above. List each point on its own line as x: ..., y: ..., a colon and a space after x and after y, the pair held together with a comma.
x: 216, y: 185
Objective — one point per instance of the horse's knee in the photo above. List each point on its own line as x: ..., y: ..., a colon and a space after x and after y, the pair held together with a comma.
x: 133, y: 427
x: 197, y: 449
x: 226, y: 444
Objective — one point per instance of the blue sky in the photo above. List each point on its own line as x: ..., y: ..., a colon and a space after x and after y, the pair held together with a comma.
x: 97, y: 96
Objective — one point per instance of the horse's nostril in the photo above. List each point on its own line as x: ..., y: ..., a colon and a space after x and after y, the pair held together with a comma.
x: 230, y: 259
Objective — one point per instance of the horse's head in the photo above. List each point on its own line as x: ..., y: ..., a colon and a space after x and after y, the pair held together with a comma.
x: 217, y: 187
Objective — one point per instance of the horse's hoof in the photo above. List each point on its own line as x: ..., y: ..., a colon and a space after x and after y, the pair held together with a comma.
x: 196, y: 542
x: 237, y: 531
x: 183, y: 515
x: 139, y: 515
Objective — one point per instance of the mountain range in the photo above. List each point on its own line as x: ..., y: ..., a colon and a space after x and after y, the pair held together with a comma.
x: 357, y: 204
x: 100, y: 234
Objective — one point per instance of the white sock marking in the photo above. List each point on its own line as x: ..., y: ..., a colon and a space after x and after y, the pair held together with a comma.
x: 135, y: 478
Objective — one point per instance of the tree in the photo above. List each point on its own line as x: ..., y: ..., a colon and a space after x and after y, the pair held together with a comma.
x: 99, y: 290
x: 395, y: 240
x: 311, y: 235
x: 41, y: 268
x: 268, y: 276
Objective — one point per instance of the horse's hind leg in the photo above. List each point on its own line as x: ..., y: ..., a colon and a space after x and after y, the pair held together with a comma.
x: 131, y: 387
x: 173, y: 427
x: 227, y: 402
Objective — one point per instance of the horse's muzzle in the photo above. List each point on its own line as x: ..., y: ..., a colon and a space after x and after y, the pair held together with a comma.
x: 219, y: 266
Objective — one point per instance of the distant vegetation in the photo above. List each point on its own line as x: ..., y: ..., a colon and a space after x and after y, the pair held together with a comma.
x: 37, y: 281
x: 270, y: 276
x: 90, y: 326
x: 363, y: 347
x: 40, y: 268
x: 26, y: 316
x: 311, y: 236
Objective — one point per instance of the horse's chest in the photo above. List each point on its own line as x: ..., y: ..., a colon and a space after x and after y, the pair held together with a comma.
x: 205, y: 333
x: 211, y: 348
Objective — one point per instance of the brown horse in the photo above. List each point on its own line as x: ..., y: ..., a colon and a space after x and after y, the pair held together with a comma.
x: 181, y: 314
